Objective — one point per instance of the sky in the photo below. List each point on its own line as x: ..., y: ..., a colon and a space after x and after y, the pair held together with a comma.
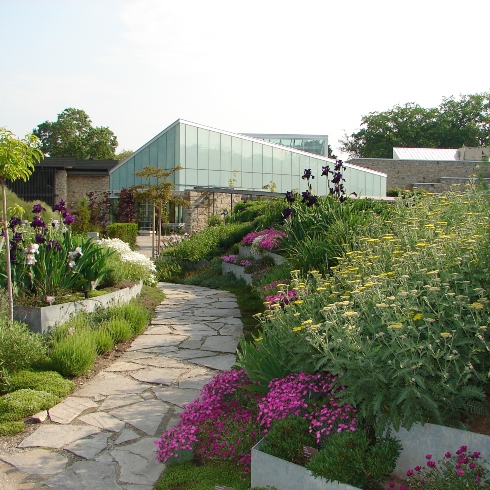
x: 258, y: 66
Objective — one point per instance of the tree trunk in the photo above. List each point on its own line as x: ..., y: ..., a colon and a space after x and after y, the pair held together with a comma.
x: 7, y: 252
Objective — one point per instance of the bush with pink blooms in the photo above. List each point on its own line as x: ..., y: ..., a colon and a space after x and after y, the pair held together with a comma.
x: 463, y: 470
x: 268, y: 239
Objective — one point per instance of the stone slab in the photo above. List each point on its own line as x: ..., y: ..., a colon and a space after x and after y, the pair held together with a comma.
x: 111, y: 384
x: 158, y: 375
x: 88, y: 448
x: 146, y: 341
x: 159, y: 330
x: 103, y: 421
x: 222, y: 363
x: 86, y: 475
x: 122, y: 366
x: 145, y: 416
x: 186, y: 354
x: 69, y: 409
x: 196, y: 381
x: 233, y: 330
x: 126, y: 435
x: 57, y: 436
x: 40, y: 417
x: 114, y: 401
x: 217, y: 312
x: 191, y: 344
x: 176, y: 396
x: 221, y: 343
x: 36, y: 461
x: 138, y: 462
x: 161, y: 362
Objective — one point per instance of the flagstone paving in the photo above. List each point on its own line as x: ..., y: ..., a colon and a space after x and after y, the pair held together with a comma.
x: 103, y: 435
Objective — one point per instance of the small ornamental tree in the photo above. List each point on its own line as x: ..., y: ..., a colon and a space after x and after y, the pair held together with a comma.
x: 160, y: 193
x: 17, y: 158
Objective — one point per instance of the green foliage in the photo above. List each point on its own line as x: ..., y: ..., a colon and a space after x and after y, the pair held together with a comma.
x: 119, y: 329
x: 19, y: 347
x: 277, y: 353
x: 127, y: 232
x: 82, y: 225
x: 286, y: 439
x: 25, y: 402
x: 149, y: 298
x: 349, y: 457
x: 454, y: 124
x: 169, y: 269
x: 14, y: 203
x: 74, y: 354
x: 133, y: 313
x: 47, y: 381
x: 103, y: 340
x: 263, y: 214
x: 72, y: 135
x: 214, y: 220
x: 188, y: 476
x: 211, y: 242
x: 11, y: 428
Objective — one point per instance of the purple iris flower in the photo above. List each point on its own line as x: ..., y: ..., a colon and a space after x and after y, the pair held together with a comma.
x: 69, y: 219
x: 307, y: 175
x: 38, y: 222
x: 289, y: 196
x: 52, y: 244
x: 40, y: 239
x: 17, y: 237
x: 61, y: 206
x: 287, y: 212
x: 311, y: 201
x: 325, y: 170
x: 13, y: 258
x: 37, y: 208
x: 14, y: 221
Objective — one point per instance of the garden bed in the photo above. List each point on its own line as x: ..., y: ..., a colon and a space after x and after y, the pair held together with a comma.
x: 42, y: 319
x: 245, y: 251
x: 237, y: 270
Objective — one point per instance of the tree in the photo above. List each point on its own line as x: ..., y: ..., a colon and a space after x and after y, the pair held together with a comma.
x: 453, y: 124
x: 157, y: 189
x: 126, y: 209
x: 17, y: 158
x: 123, y: 154
x: 72, y: 135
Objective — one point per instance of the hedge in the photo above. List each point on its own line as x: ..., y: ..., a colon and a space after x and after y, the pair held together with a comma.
x: 127, y: 232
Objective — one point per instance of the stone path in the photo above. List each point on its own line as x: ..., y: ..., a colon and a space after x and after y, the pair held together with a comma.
x: 102, y: 435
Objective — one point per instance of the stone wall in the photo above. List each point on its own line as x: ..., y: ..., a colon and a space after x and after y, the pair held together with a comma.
x: 434, y: 176
x: 80, y: 185
x: 204, y: 204
x: 60, y: 186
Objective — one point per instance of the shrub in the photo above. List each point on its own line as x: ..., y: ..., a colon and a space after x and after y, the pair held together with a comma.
x: 19, y: 347
x: 214, y: 220
x: 127, y: 264
x: 82, y: 225
x: 47, y: 381
x: 25, y: 402
x: 119, y: 329
x: 74, y: 354
x: 11, y: 428
x: 465, y: 470
x: 127, y: 232
x: 189, y: 476
x: 103, y: 340
x: 350, y: 458
x: 135, y: 314
x: 286, y: 439
x: 168, y: 269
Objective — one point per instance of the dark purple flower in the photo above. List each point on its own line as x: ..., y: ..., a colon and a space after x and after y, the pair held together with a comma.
x: 52, y: 244
x: 14, y: 245
x: 13, y: 258
x: 312, y: 201
x: 306, y: 195
x: 61, y: 206
x: 290, y: 196
x: 3, y: 232
x: 287, y: 212
x: 339, y: 165
x: 325, y: 170
x: 69, y: 219
x: 14, y: 221
x: 307, y: 174
x: 39, y: 238
x: 38, y: 222
x: 337, y: 177
x: 17, y: 237
x: 37, y: 208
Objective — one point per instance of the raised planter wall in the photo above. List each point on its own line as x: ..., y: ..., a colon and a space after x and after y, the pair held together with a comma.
x: 245, y: 251
x: 237, y: 270
x: 417, y: 442
x: 42, y: 319
x: 276, y: 472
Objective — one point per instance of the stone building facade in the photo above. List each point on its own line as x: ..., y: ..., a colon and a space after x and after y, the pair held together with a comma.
x: 431, y: 175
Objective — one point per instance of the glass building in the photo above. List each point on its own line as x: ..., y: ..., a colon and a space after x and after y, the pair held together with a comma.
x: 311, y: 143
x: 215, y: 158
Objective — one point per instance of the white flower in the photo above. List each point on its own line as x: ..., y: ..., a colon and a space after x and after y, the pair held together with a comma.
x: 77, y: 251
x: 32, y: 248
x: 30, y: 260
x: 71, y: 264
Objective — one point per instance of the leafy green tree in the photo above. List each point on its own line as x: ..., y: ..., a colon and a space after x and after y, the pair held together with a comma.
x: 157, y: 189
x: 453, y: 124
x: 72, y: 135
x: 17, y: 158
x: 123, y: 154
